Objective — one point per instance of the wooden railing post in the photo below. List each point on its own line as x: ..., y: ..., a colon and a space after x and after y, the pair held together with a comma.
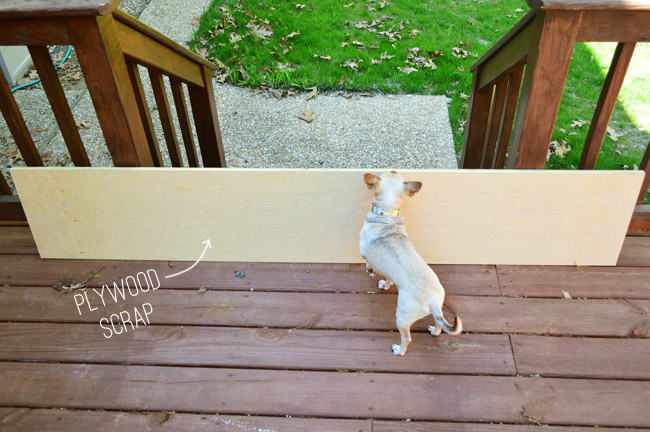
x: 546, y: 71
x: 478, y: 114
x: 105, y: 70
x: 206, y: 121
x: 606, y: 104
x: 645, y: 166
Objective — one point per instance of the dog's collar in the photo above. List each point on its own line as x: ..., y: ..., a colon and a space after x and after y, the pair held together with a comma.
x: 381, y: 212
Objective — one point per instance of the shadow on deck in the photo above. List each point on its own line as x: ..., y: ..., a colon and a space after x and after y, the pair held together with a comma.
x: 307, y: 347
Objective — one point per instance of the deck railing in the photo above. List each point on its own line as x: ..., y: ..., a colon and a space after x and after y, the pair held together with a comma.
x: 520, y: 80
x: 110, y: 46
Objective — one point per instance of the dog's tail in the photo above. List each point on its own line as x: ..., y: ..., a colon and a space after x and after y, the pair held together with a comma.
x: 442, y: 322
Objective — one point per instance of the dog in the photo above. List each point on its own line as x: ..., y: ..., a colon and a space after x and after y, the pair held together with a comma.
x: 388, y: 252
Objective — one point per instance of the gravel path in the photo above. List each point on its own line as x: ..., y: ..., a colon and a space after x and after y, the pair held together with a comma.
x: 382, y: 131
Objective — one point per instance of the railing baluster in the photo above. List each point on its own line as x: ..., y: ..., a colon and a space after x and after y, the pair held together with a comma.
x: 606, y: 104
x: 548, y: 65
x: 17, y: 126
x: 184, y: 121
x: 514, y: 85
x: 206, y: 121
x: 645, y: 166
x: 145, y: 115
x: 477, y: 122
x: 59, y: 103
x: 496, y: 122
x: 160, y: 94
x: 4, y: 186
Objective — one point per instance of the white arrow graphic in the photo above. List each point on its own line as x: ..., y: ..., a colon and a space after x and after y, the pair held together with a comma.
x: 207, y: 245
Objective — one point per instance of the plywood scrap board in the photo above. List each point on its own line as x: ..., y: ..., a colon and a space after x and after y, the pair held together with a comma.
x: 284, y: 215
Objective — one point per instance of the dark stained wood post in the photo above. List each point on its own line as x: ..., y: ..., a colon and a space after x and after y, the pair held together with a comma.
x: 546, y: 71
x: 606, y: 104
x: 478, y: 114
x: 109, y: 84
x: 645, y: 166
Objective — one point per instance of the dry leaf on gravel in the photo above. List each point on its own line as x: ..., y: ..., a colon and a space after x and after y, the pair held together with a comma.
x: 312, y: 94
x: 307, y: 116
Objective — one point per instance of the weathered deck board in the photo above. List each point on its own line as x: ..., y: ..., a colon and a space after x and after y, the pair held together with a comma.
x: 17, y: 240
x: 57, y: 420
x: 328, y: 394
x: 635, y: 252
x: 337, y: 311
x: 392, y: 426
x: 591, y: 282
x: 258, y: 348
x: 33, y: 271
x: 582, y: 357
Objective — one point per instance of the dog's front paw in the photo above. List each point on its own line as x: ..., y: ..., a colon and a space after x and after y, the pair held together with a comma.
x: 370, y: 272
x: 397, y: 349
x: 435, y: 331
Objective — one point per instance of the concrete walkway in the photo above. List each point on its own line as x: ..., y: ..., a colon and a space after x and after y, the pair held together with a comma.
x: 391, y: 131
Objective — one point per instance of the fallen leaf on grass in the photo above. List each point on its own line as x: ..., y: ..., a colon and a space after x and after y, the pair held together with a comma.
x: 559, y: 149
x: 235, y: 37
x: 578, y: 123
x: 613, y: 135
x: 292, y: 34
x: 407, y: 70
x: 385, y: 56
x: 307, y: 116
x: 323, y: 57
x: 312, y: 94
x: 341, y: 81
x: 348, y: 5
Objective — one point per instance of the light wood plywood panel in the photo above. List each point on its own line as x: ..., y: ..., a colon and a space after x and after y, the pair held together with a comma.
x: 282, y: 215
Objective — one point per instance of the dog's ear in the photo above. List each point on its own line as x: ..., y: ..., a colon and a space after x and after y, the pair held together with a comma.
x: 372, y: 181
x: 411, y: 188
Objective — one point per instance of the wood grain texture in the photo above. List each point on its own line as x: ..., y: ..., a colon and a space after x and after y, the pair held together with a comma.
x: 106, y: 73
x: 16, y: 240
x: 11, y: 210
x: 41, y: 31
x: 514, y: 85
x: 258, y: 348
x: 582, y: 357
x: 496, y: 123
x: 590, y: 5
x: 250, y: 215
x: 145, y: 114
x: 606, y: 103
x: 635, y: 252
x: 140, y: 48
x: 33, y: 271
x: 54, y: 91
x: 393, y: 426
x: 206, y: 122
x: 57, y: 420
x: 552, y: 44
x: 615, y: 317
x: 165, y: 115
x: 41, y: 8
x: 605, y: 26
x: 295, y: 393
x: 17, y: 126
x: 478, y: 115
x: 591, y: 282
x: 184, y: 122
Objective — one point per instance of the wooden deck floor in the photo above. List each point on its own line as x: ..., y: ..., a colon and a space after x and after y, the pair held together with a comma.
x: 297, y: 347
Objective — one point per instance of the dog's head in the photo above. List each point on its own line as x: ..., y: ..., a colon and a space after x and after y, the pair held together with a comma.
x: 390, y: 189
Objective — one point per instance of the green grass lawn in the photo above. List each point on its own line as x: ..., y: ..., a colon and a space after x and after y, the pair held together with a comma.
x: 411, y: 46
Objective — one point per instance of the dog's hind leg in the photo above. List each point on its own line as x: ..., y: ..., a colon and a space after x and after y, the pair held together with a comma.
x: 384, y: 284
x: 435, y: 330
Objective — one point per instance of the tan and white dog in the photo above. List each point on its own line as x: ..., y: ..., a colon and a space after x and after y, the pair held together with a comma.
x: 388, y: 252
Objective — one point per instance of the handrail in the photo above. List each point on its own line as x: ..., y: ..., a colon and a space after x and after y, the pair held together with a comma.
x: 541, y: 43
x: 111, y: 47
